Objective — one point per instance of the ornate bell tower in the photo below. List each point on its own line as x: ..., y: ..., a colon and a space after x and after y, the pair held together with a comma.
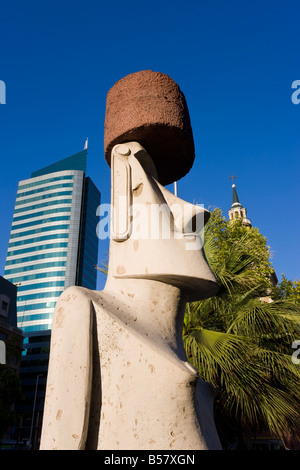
x: 237, y: 210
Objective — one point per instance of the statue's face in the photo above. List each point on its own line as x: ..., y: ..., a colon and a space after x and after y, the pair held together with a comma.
x: 154, y: 234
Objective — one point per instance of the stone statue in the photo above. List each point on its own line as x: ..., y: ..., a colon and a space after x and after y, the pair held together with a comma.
x: 118, y: 374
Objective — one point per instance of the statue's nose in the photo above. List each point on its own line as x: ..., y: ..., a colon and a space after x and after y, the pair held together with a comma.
x: 189, y: 218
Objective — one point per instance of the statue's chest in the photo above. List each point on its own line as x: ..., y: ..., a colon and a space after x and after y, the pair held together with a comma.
x: 142, y: 393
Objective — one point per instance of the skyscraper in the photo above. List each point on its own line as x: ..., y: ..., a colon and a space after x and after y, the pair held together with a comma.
x: 53, y: 242
x: 53, y: 245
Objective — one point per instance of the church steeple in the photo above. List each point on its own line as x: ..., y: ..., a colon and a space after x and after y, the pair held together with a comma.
x: 235, y: 199
x: 237, y: 210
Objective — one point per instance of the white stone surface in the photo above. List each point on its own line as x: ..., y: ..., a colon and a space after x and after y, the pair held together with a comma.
x: 118, y: 375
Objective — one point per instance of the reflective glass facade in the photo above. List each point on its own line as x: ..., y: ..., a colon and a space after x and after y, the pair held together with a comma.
x: 53, y: 242
x: 87, y: 274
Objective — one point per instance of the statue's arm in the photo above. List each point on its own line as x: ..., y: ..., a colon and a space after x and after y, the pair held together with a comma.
x: 68, y: 394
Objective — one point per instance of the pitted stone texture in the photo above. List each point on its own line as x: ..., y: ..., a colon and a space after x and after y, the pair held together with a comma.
x: 149, y: 107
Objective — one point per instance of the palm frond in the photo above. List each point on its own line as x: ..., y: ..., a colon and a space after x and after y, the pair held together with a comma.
x: 257, y: 318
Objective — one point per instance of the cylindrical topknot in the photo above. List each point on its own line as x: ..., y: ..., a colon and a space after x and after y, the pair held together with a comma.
x: 149, y: 107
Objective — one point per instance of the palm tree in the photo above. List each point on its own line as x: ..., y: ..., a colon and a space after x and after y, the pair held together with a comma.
x: 240, y: 343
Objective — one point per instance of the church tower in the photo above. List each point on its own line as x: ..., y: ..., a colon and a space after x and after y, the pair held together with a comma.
x: 237, y: 210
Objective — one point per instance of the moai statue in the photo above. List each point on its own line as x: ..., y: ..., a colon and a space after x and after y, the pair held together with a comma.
x: 118, y: 374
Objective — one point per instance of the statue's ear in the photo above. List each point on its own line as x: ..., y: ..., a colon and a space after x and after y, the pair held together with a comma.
x: 121, y: 196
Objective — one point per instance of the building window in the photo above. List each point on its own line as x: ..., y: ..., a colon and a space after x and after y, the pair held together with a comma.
x: 4, y: 305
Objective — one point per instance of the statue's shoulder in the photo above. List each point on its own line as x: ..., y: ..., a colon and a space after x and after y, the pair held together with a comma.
x: 77, y: 297
x: 76, y: 302
x: 79, y: 305
x: 75, y: 306
x: 73, y: 294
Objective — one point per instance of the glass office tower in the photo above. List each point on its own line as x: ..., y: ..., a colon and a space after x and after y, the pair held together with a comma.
x: 53, y: 245
x: 53, y: 242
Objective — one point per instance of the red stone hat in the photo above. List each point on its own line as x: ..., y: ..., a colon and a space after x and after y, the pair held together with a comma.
x: 149, y: 107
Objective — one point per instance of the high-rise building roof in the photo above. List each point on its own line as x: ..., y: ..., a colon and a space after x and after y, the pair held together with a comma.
x: 77, y: 161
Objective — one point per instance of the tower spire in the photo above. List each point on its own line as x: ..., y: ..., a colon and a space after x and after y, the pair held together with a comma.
x: 235, y: 199
x: 237, y: 210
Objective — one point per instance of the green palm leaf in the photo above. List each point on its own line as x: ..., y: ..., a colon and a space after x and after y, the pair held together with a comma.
x: 240, y: 343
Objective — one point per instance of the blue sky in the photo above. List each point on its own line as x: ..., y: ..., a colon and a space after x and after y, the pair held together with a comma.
x: 235, y: 61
